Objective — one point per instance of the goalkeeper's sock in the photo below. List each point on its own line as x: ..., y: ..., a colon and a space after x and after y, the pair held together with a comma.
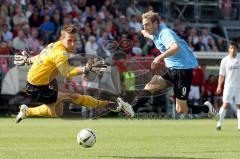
x: 89, y: 101
x: 141, y: 99
x: 42, y: 110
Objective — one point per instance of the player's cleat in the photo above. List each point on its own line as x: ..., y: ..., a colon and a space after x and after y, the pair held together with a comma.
x: 22, y: 113
x: 126, y: 107
x: 218, y: 128
x: 115, y: 107
x: 212, y: 113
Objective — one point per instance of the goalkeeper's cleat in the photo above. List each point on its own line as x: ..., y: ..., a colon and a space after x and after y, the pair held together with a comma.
x: 126, y: 107
x: 115, y: 107
x: 22, y: 113
x: 212, y: 113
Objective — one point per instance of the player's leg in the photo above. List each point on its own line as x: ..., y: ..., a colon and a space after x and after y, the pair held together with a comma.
x: 39, y: 94
x: 237, y: 101
x: 157, y: 83
x: 181, y: 106
x: 182, y: 84
x: 228, y: 95
x: 222, y: 112
x: 238, y: 115
x: 181, y: 87
x: 42, y: 110
x: 92, y: 102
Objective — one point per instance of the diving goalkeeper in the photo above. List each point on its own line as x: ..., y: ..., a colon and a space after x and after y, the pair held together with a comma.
x: 45, y: 66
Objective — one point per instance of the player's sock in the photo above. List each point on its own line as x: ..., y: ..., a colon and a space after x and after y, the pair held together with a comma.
x: 141, y: 99
x: 89, y: 101
x: 42, y: 110
x: 238, y: 116
x: 222, y: 113
x: 197, y: 109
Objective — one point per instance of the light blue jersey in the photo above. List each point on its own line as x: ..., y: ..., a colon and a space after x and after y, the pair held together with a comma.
x: 184, y: 58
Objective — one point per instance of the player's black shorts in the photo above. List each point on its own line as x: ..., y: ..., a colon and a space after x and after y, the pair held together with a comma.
x: 46, y: 94
x: 181, y: 80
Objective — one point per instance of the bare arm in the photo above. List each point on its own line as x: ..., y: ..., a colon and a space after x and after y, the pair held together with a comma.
x: 173, y: 49
x: 220, y: 83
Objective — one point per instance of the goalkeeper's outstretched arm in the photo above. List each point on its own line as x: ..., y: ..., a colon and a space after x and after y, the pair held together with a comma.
x: 96, y: 66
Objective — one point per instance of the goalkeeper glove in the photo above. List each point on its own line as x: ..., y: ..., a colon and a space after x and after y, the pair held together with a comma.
x: 98, y: 66
x: 21, y: 60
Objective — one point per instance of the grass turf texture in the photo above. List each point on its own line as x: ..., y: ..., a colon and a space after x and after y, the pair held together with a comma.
x: 37, y: 138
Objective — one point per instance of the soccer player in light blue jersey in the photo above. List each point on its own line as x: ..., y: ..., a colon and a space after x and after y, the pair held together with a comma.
x: 179, y: 60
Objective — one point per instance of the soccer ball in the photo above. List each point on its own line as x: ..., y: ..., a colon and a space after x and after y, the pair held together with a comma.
x: 86, y: 138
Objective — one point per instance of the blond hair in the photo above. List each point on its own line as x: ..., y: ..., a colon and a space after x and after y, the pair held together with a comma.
x: 151, y: 15
x: 69, y: 28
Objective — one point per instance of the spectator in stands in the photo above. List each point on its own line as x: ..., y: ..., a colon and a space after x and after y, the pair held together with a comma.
x: 104, y: 51
x: 46, y: 10
x: 6, y: 7
x: 33, y: 42
x: 206, y: 39
x: 211, y: 45
x: 122, y: 24
x: 96, y: 30
x: 111, y: 30
x: 103, y: 12
x: 91, y: 47
x: 6, y: 33
x: 20, y: 18
x: 47, y: 26
x: 193, y: 39
x: 29, y: 10
x: 4, y: 48
x: 86, y: 13
x: 133, y: 23
x: 47, y: 29
x: 20, y: 42
x: 196, y: 86
x: 35, y: 19
x: 221, y: 44
x: 57, y: 20
x: 78, y: 20
x: 180, y: 30
x: 27, y: 30
x: 19, y: 4
x: 133, y: 10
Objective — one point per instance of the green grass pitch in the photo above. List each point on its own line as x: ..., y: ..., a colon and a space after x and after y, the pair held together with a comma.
x: 43, y: 138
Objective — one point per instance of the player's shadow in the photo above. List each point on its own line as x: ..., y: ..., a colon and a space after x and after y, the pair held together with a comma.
x: 164, y: 157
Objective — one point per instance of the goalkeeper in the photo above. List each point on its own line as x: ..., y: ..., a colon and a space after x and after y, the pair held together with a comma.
x: 45, y: 66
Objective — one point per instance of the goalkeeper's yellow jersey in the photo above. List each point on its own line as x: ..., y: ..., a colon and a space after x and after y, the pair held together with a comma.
x: 51, y: 60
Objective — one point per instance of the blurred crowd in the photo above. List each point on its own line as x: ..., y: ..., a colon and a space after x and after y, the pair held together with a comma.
x: 104, y: 27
